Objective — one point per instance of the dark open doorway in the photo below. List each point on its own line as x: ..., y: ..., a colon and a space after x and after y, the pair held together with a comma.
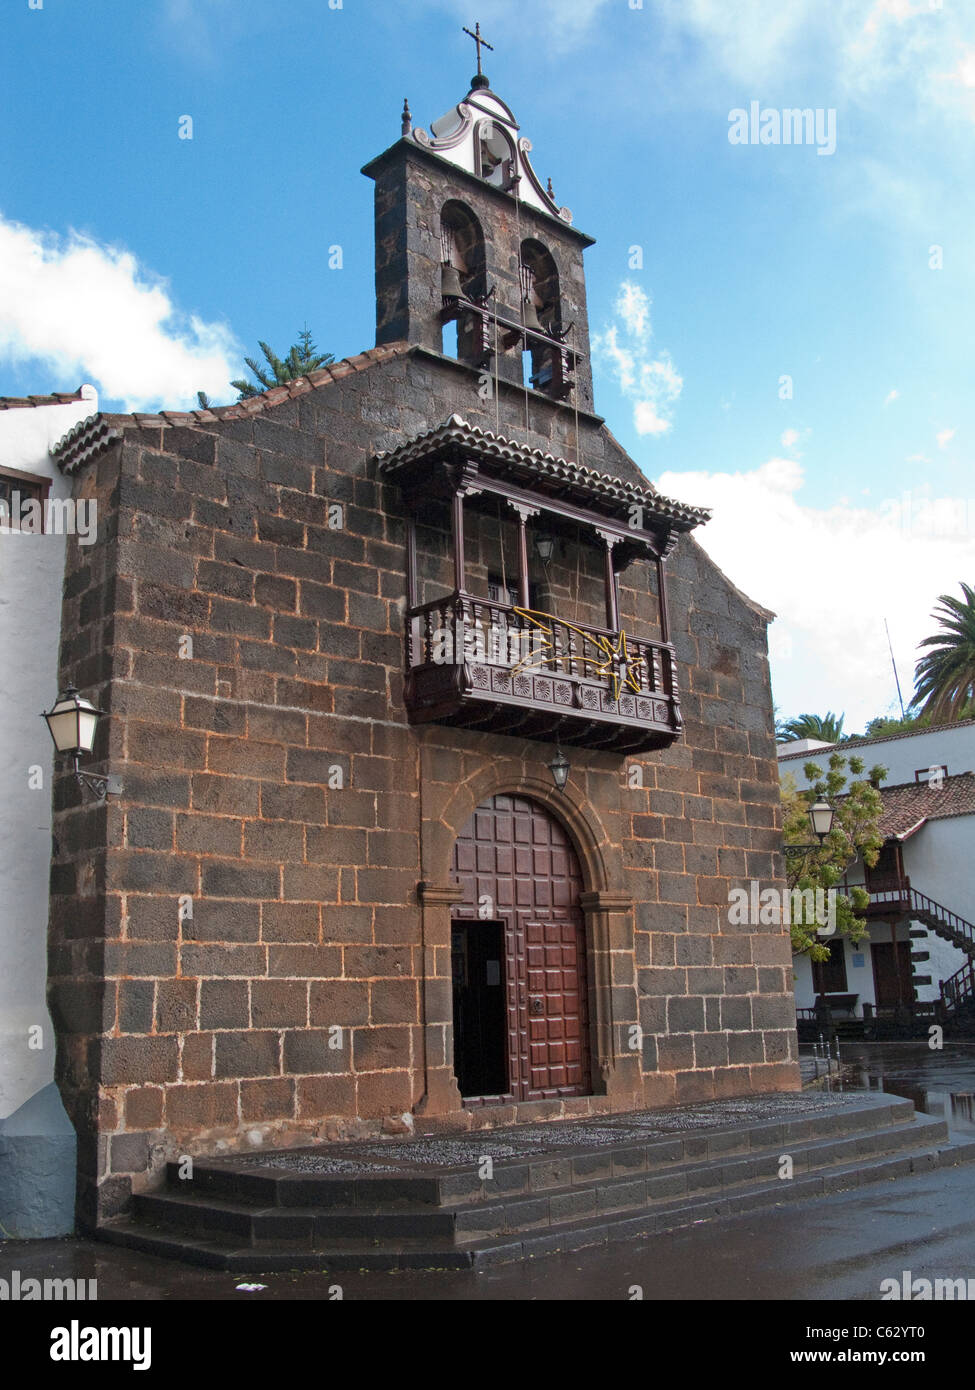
x: 480, y: 1016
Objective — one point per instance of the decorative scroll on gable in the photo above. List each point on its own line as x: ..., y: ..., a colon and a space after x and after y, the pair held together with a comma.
x: 481, y: 136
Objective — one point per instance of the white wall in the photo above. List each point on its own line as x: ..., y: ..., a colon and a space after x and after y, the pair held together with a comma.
x: 939, y: 859
x: 859, y: 968
x: 31, y: 579
x: 951, y: 747
x: 940, y: 862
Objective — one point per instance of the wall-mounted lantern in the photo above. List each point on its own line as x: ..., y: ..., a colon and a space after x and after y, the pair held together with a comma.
x: 544, y: 547
x: 821, y: 817
x: 73, y: 723
x: 559, y: 768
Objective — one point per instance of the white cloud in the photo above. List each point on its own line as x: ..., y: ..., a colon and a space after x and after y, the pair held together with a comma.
x: 746, y: 40
x: 965, y: 71
x: 651, y: 382
x: 891, y: 397
x: 892, y: 9
x: 790, y: 438
x: 861, y: 47
x: 202, y: 31
x: 832, y: 574
x: 944, y: 438
x: 92, y: 312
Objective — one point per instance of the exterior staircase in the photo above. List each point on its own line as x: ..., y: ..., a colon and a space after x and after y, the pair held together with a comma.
x: 433, y: 1203
x: 958, y: 997
x: 898, y: 897
x: 944, y: 923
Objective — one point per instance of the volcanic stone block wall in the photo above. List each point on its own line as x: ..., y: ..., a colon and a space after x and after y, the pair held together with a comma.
x: 239, y: 954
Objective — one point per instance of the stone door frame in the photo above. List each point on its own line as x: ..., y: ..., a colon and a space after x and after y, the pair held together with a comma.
x: 615, y: 1046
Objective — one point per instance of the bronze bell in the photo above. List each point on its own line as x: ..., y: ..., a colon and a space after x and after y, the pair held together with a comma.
x: 450, y: 286
x: 531, y: 315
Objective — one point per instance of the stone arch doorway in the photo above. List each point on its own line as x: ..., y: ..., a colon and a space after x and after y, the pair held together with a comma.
x: 519, y: 965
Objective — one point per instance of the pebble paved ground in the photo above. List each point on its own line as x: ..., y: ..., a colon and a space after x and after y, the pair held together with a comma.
x: 425, y: 1154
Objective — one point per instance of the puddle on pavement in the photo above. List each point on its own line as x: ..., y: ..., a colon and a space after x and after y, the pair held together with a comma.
x: 940, y: 1083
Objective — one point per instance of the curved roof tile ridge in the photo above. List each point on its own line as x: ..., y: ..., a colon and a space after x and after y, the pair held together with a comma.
x: 97, y: 432
x: 499, y: 446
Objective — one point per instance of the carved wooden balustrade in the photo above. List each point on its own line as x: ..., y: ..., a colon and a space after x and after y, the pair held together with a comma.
x: 501, y: 668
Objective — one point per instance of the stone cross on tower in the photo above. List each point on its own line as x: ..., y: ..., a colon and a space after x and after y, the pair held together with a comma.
x: 481, y: 43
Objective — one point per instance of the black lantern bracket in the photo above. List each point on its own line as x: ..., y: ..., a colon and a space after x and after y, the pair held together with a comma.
x: 100, y: 787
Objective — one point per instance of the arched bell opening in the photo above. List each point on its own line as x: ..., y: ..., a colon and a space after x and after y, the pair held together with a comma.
x: 495, y: 155
x: 541, y: 309
x: 463, y: 276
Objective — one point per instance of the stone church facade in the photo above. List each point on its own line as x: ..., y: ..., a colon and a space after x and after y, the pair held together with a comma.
x: 342, y: 630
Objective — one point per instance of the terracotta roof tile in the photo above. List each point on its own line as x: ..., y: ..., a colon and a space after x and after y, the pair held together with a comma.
x: 98, y: 432
x: 534, y: 464
x: 32, y: 402
x: 908, y: 805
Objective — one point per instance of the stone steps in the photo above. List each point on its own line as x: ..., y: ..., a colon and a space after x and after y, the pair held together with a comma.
x: 236, y: 1218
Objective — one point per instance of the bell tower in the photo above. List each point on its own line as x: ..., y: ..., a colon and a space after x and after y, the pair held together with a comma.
x: 475, y: 258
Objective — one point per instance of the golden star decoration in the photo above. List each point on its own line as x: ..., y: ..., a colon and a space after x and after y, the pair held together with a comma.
x: 611, y: 654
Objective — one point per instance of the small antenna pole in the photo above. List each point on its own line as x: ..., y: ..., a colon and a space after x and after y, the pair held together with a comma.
x: 894, y: 664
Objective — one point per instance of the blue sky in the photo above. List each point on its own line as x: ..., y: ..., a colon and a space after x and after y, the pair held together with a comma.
x: 148, y: 264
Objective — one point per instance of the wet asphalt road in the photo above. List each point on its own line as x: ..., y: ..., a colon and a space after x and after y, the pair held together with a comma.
x: 835, y: 1248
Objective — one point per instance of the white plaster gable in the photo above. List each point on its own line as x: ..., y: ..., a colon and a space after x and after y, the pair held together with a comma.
x: 482, y: 118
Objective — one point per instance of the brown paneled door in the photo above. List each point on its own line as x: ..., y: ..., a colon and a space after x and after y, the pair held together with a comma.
x: 522, y: 880
x: 893, y: 980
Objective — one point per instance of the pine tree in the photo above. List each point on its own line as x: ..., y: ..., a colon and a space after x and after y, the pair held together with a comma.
x: 303, y: 358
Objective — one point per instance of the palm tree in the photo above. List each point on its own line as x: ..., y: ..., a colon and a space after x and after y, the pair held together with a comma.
x: 944, y: 677
x: 303, y: 358
x: 826, y: 728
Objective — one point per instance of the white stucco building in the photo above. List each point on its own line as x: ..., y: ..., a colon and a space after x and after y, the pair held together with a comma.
x: 922, y: 887
x: 36, y: 1140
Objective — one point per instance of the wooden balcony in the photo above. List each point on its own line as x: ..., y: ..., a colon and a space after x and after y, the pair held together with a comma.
x: 503, y: 669
x: 890, y: 895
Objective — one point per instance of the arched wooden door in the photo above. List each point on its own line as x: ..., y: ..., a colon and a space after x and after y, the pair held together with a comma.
x: 521, y: 1017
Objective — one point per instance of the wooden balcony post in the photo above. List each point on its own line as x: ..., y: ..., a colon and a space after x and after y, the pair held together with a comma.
x: 662, y: 600
x: 612, y: 598
x: 459, y: 566
x: 523, y: 599
x: 411, y: 597
x: 524, y: 512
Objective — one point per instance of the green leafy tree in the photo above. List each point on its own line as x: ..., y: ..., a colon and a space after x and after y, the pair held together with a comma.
x: 827, y: 728
x: 303, y: 358
x: 885, y: 724
x: 944, y: 678
x: 858, y: 807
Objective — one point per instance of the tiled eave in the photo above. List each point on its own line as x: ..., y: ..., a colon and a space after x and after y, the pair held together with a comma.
x: 910, y: 805
x: 34, y: 402
x: 542, y: 472
x: 93, y: 436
